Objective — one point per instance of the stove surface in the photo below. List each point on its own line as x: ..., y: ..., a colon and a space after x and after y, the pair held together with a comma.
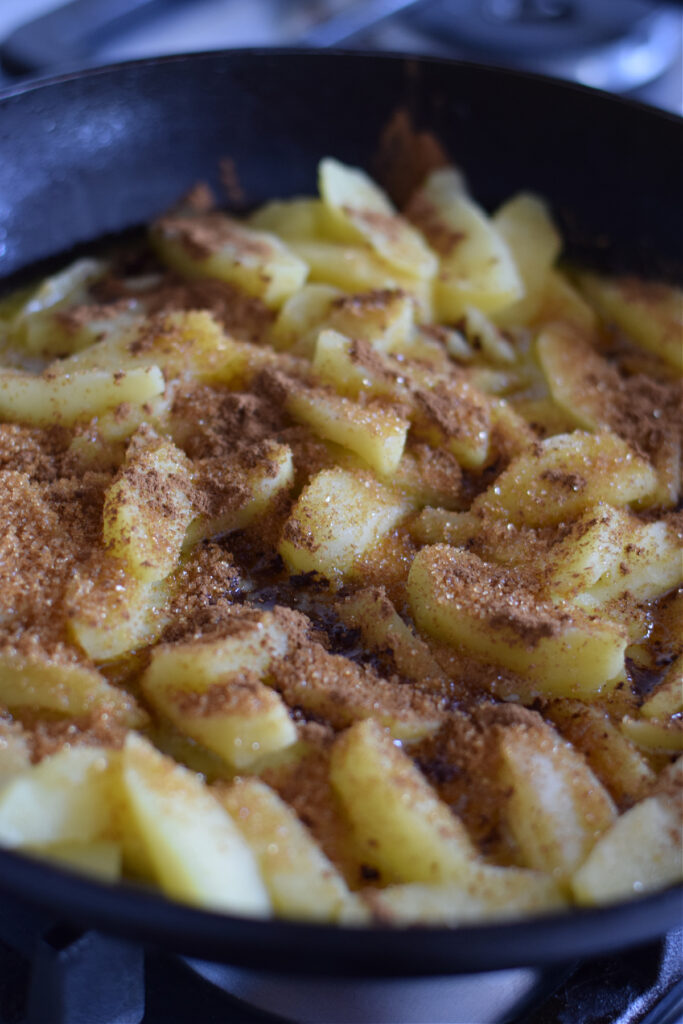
x: 633, y: 47
x: 643, y: 986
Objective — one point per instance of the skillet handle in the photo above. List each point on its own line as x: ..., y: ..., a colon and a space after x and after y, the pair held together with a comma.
x: 70, y: 34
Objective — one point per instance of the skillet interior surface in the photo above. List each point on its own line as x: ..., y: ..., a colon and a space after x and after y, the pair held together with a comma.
x: 90, y: 154
x: 108, y: 149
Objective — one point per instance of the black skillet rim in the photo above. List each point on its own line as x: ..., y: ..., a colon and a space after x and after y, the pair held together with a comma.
x: 141, y: 915
x: 387, y: 56
x: 303, y: 948
x: 664, y: 120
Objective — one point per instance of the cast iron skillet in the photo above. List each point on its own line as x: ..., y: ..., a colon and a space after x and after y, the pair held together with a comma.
x: 88, y: 154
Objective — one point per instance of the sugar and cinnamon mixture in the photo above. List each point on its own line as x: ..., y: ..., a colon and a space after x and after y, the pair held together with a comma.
x: 231, y: 408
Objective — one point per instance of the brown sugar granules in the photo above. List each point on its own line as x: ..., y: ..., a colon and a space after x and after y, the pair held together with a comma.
x: 670, y: 784
x: 205, y: 234
x: 159, y: 495
x: 362, y: 354
x: 213, y: 422
x: 427, y: 218
x: 242, y: 316
x: 638, y: 408
x: 309, y: 453
x: 494, y: 539
x: 153, y: 331
x: 204, y: 621
x: 219, y: 488
x: 42, y: 453
x: 305, y: 786
x: 240, y: 693
x: 97, y: 729
x: 462, y: 762
x: 646, y: 412
x: 199, y: 199
x: 406, y: 156
x: 336, y: 690
x: 77, y: 317
x: 206, y: 587
x: 274, y: 386
x: 496, y: 595
x: 437, y: 473
x: 361, y: 303
x: 455, y: 410
x: 46, y: 532
x: 388, y: 564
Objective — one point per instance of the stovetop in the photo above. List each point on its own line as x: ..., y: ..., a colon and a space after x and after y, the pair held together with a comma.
x: 641, y: 986
x: 634, y: 47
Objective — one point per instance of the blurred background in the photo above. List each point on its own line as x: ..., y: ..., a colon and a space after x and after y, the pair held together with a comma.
x: 633, y: 47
